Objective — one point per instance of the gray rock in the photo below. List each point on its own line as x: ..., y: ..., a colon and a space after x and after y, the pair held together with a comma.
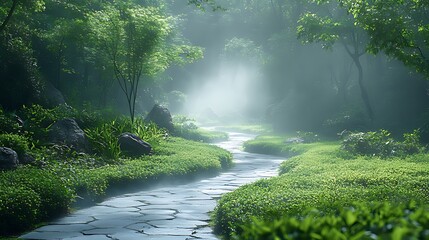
x: 8, y: 158
x: 26, y: 159
x: 133, y: 146
x: 51, y: 96
x: 68, y: 132
x: 161, y: 117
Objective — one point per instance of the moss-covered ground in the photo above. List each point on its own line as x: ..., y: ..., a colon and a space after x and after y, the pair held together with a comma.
x: 322, y: 176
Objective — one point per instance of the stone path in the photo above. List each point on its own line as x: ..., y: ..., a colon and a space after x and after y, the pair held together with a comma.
x: 179, y: 212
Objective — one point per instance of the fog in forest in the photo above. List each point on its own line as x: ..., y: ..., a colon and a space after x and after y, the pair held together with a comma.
x: 259, y: 69
x: 295, y: 65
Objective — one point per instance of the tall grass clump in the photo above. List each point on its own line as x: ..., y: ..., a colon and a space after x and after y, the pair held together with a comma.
x: 104, y: 138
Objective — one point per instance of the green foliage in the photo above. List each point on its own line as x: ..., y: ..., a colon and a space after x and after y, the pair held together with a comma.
x: 308, y: 137
x: 173, y: 158
x: 320, y: 178
x: 131, y: 37
x: 55, y: 196
x: 396, y: 27
x: 8, y: 123
x: 200, y: 135
x: 245, y: 50
x: 350, y: 118
x: 411, y: 143
x: 19, y: 75
x: 276, y: 145
x: 186, y: 128
x: 19, y: 209
x: 29, y: 195
x: 381, y: 144
x: 149, y: 132
x: 360, y: 221
x: 38, y: 119
x: 250, y: 128
x: 313, y: 28
x: 18, y: 143
x: 104, y: 140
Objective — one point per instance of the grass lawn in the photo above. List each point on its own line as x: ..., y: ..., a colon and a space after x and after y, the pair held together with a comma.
x: 324, y: 178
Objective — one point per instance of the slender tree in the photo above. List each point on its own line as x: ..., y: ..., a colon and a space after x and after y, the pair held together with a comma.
x: 337, y: 26
x: 131, y: 37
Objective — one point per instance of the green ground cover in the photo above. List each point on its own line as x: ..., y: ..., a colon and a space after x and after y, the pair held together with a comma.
x: 249, y: 128
x: 202, y: 135
x: 30, y: 195
x: 275, y: 145
x: 174, y: 158
x: 325, y: 178
x: 60, y: 176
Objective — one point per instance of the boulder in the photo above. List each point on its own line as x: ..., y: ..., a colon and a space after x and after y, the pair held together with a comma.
x: 68, y: 132
x: 26, y: 159
x: 161, y: 117
x: 133, y: 146
x: 8, y: 158
x: 51, y: 96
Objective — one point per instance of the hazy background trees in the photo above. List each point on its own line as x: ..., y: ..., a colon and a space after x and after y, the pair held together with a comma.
x: 299, y: 65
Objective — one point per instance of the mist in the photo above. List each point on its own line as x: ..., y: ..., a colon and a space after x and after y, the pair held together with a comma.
x: 294, y: 65
x: 297, y: 81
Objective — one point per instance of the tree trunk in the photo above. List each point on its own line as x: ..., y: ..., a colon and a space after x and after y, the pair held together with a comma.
x: 363, y: 91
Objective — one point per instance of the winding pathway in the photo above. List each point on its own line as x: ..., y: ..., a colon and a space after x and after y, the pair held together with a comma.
x: 178, y: 212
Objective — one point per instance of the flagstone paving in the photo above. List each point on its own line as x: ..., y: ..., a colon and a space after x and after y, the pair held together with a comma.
x: 176, y: 212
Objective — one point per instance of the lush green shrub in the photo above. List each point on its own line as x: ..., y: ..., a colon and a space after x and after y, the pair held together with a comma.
x: 29, y: 196
x: 348, y: 118
x: 19, y: 209
x: 8, y: 123
x: 308, y: 137
x: 381, y: 144
x: 362, y: 221
x: 55, y: 196
x: 411, y: 143
x: 38, y: 119
x: 17, y: 142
